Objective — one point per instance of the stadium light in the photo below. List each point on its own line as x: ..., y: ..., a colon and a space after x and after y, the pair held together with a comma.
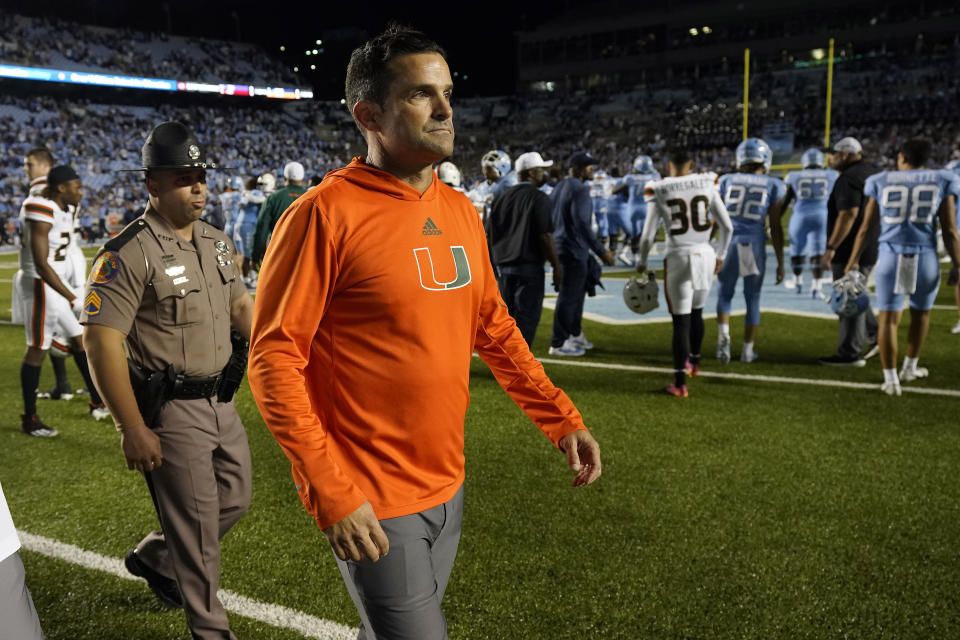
x: 818, y: 54
x: 693, y: 31
x: 308, y: 52
x: 315, y: 52
x: 282, y: 48
x: 313, y: 67
x: 343, y: 101
x: 319, y: 42
x: 465, y: 77
x: 296, y: 69
x: 707, y: 30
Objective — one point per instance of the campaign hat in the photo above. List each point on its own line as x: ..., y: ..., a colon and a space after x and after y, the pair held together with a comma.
x: 171, y: 145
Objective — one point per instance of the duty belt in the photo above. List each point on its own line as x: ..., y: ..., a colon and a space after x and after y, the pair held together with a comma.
x: 188, y: 387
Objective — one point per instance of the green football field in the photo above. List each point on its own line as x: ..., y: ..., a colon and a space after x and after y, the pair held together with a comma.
x: 756, y: 508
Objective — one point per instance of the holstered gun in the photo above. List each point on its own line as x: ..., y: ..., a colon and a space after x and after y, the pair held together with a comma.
x: 151, y: 389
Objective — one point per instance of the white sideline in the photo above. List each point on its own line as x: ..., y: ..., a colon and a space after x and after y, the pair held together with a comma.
x: 755, y: 378
x: 272, y: 614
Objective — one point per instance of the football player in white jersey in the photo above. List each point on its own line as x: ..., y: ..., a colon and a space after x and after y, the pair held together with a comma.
x: 752, y: 198
x: 47, y: 302
x: 909, y: 201
x: 688, y: 205
x: 811, y: 188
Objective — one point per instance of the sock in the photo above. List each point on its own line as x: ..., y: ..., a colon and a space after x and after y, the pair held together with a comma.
x: 29, y: 379
x: 696, y: 335
x: 910, y: 364
x: 890, y: 375
x: 80, y: 357
x: 60, y: 372
x: 681, y: 347
x: 748, y: 349
x: 723, y: 330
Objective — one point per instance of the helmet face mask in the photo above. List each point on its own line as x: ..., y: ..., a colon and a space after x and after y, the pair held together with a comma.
x: 641, y: 295
x: 850, y: 295
x: 754, y: 150
x: 497, y: 160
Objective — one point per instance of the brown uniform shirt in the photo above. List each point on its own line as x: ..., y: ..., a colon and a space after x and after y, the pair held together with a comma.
x: 170, y: 297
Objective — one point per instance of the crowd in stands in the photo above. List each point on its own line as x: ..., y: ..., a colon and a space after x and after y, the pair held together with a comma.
x: 56, y: 43
x: 880, y: 99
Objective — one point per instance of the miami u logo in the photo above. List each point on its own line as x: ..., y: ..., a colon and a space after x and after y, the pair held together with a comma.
x: 428, y: 277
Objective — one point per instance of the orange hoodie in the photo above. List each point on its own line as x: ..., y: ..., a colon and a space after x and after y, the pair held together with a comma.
x: 371, y: 300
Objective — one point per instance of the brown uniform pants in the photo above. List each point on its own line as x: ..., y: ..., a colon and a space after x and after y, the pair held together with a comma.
x: 201, y: 491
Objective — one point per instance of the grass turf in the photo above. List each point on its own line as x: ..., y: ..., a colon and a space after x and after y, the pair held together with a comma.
x: 750, y: 510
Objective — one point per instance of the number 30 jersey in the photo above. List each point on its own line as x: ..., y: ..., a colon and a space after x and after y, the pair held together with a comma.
x: 748, y: 197
x: 908, y: 202
x: 688, y: 206
x: 42, y: 210
x: 812, y: 188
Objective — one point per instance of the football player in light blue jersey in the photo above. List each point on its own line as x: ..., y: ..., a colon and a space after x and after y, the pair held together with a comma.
x: 909, y: 202
x: 498, y: 177
x: 616, y: 203
x: 807, y: 229
x: 634, y: 212
x: 954, y: 165
x: 598, y: 197
x: 230, y: 204
x: 246, y: 222
x: 752, y: 198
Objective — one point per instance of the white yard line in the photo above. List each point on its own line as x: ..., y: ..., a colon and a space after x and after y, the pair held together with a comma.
x: 754, y: 378
x: 272, y: 614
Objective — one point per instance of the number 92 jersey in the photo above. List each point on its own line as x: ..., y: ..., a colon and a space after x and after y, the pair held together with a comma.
x: 812, y: 188
x: 908, y: 202
x: 748, y: 197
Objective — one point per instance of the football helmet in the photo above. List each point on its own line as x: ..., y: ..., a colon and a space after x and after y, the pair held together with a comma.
x: 643, y: 164
x: 953, y: 165
x: 497, y: 159
x: 642, y: 294
x: 449, y: 174
x: 754, y: 150
x: 267, y: 183
x: 850, y: 295
x: 812, y: 158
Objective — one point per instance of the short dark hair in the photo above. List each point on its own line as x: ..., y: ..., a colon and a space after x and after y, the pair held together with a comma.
x: 679, y: 156
x: 40, y: 153
x: 916, y: 151
x: 369, y: 74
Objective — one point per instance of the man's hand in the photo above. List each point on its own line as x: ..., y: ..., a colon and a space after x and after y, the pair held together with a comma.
x: 583, y: 456
x: 718, y: 267
x: 779, y: 272
x: 826, y: 258
x: 76, y: 305
x: 141, y: 448
x: 358, y: 536
x: 557, y: 276
x: 608, y: 258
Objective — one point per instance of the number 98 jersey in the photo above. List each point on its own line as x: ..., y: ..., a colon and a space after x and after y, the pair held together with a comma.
x: 908, y: 202
x: 748, y: 197
x: 40, y: 209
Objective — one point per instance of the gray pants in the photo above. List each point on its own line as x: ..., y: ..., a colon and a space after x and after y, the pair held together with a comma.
x: 18, y: 617
x: 856, y: 331
x: 399, y: 596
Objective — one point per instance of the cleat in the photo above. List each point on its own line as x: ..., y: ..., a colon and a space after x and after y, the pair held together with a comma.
x: 581, y: 341
x: 58, y: 392
x: 891, y: 388
x: 751, y: 358
x: 693, y: 370
x: 99, y: 412
x: 723, y: 350
x: 841, y: 361
x: 872, y: 351
x: 913, y: 374
x: 163, y: 587
x: 790, y: 283
x: 83, y: 392
x: 677, y: 392
x: 32, y: 426
x: 626, y: 256
x: 956, y: 328
x: 568, y: 348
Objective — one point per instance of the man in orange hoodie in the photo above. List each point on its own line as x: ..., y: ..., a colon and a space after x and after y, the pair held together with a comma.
x: 374, y: 293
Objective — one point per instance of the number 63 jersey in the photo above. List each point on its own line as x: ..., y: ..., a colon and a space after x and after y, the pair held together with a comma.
x: 812, y: 188
x: 43, y: 210
x: 688, y: 206
x: 908, y: 202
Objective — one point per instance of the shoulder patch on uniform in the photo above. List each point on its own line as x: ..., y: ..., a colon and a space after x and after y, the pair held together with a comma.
x: 92, y: 304
x: 117, y: 242
x: 106, y: 268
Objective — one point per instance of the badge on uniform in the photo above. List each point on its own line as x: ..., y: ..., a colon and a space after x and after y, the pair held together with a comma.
x: 106, y: 268
x: 223, y: 253
x: 92, y: 304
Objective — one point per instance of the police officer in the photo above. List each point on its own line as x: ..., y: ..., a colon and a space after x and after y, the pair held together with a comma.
x: 168, y: 288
